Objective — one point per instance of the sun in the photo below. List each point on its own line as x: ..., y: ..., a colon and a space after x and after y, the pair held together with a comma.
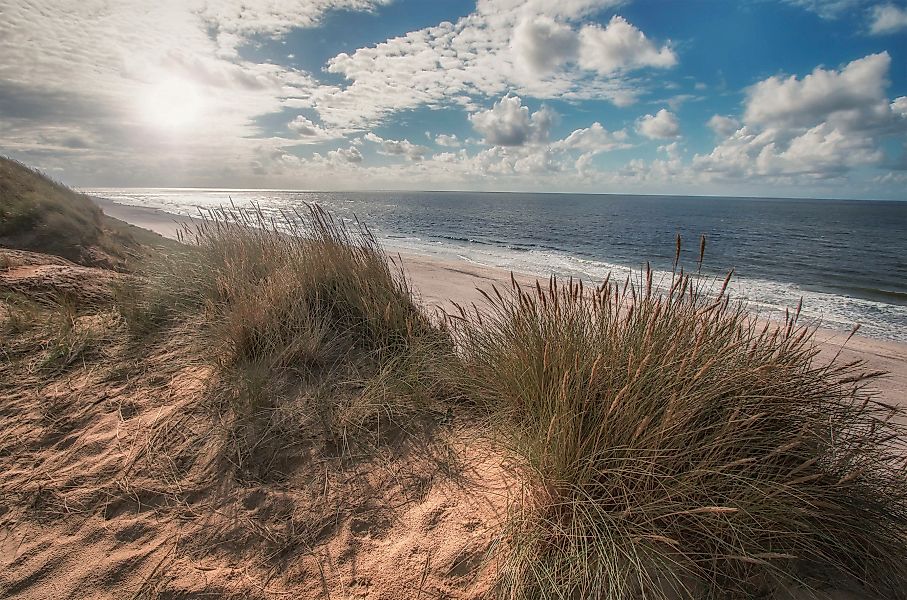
x: 173, y: 104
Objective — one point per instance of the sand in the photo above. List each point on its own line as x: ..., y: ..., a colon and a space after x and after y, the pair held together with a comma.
x: 439, y: 282
x: 119, y: 480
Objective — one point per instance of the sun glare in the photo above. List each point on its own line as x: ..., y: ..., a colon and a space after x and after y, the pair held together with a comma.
x: 173, y: 104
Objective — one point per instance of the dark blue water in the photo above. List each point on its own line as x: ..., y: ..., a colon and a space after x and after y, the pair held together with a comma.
x: 846, y: 259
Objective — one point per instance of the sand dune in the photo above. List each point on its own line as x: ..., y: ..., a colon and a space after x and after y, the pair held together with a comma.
x: 138, y: 439
x: 118, y: 483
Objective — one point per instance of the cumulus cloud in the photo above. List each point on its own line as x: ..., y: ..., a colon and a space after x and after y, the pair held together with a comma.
x: 509, y: 123
x: 822, y: 124
x: 661, y: 125
x: 887, y: 18
x: 404, y: 148
x: 821, y: 151
x: 309, y: 132
x: 451, y: 141
x: 723, y: 126
x: 543, y: 44
x: 853, y: 94
x: 592, y: 139
x: 345, y: 156
x: 620, y: 46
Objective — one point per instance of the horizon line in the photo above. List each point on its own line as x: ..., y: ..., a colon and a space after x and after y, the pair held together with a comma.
x: 454, y: 191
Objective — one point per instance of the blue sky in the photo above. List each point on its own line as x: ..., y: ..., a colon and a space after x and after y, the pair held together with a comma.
x: 752, y: 97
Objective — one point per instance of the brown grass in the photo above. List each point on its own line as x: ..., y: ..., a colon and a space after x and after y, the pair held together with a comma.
x: 303, y: 318
x: 676, y: 448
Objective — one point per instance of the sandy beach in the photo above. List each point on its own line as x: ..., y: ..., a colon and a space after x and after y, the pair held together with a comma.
x: 439, y: 282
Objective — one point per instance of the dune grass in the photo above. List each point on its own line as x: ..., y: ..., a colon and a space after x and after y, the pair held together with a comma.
x: 676, y: 448
x: 308, y: 309
x: 43, y: 215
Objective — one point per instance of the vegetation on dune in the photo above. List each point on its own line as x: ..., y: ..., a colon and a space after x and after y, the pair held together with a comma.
x: 308, y: 308
x: 42, y: 215
x: 671, y: 446
x: 676, y: 448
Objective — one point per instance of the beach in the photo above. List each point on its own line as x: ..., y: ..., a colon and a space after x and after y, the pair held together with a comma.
x: 439, y: 281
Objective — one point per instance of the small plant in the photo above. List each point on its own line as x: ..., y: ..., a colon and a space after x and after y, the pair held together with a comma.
x: 675, y: 447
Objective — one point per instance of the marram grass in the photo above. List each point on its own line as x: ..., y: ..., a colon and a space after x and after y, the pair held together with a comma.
x: 677, y: 448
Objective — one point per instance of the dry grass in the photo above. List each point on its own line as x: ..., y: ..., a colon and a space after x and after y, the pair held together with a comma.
x: 305, y: 319
x: 43, y: 215
x: 676, y: 448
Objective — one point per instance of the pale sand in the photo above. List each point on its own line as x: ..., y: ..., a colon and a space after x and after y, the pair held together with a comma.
x: 439, y: 282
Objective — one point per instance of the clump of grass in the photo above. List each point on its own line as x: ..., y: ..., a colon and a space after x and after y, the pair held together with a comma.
x: 53, y: 336
x: 305, y: 308
x: 278, y: 287
x: 675, y: 447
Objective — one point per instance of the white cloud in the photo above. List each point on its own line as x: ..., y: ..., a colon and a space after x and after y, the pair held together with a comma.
x: 542, y: 44
x: 852, y: 96
x: 343, y: 156
x: 827, y: 9
x: 509, y: 123
x: 235, y: 20
x: 620, y: 46
x: 309, y: 132
x: 661, y: 125
x: 821, y: 151
x: 887, y: 18
x: 451, y: 141
x: 723, y: 126
x: 403, y: 148
x: 821, y: 125
x: 592, y: 139
x: 899, y: 107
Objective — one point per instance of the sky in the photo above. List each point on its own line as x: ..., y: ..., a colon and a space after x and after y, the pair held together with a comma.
x: 782, y: 98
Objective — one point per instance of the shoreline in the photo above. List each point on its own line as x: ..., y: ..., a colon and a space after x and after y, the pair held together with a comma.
x: 438, y: 281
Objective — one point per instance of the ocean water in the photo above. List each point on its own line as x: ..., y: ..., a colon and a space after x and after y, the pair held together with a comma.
x: 847, y: 260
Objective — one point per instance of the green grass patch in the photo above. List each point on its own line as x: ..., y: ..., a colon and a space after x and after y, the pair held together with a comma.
x: 43, y: 215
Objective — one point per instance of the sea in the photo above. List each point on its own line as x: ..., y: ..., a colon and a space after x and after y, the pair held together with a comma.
x: 845, y: 260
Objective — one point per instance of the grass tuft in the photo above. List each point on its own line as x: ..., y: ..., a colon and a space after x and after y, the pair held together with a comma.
x: 675, y: 447
x: 306, y: 320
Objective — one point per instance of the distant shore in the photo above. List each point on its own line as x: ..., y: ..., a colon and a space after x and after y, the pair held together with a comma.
x: 440, y: 281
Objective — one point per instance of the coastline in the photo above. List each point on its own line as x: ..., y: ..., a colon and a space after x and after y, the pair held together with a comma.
x: 440, y: 281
